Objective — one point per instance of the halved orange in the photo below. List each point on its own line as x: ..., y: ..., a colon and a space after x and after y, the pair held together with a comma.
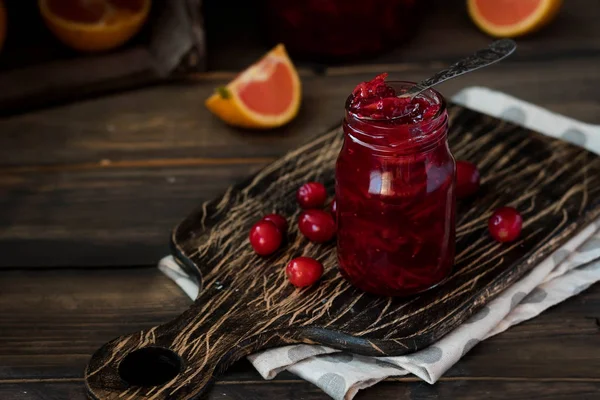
x: 512, y: 18
x: 94, y: 25
x: 2, y: 24
x: 266, y: 95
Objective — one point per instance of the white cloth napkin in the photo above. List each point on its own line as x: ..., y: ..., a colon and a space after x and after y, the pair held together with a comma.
x: 568, y: 271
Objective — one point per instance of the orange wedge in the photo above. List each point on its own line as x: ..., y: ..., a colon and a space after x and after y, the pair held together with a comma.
x: 94, y: 25
x: 266, y: 95
x: 2, y: 24
x: 512, y: 18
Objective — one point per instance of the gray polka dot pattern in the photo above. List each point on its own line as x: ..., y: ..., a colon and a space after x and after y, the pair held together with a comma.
x: 468, y: 346
x: 514, y: 114
x: 516, y: 299
x: 481, y: 314
x: 303, y: 351
x: 574, y: 136
x: 333, y: 384
x: 560, y: 256
x: 537, y: 295
x: 430, y: 355
x: 337, y: 358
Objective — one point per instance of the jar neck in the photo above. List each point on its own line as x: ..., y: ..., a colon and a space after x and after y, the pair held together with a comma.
x: 389, y: 138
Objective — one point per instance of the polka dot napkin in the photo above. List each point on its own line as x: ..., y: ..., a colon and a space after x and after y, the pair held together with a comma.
x: 568, y: 271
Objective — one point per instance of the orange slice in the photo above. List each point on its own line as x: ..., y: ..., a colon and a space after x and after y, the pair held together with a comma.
x: 512, y: 18
x: 2, y: 24
x: 94, y: 25
x: 266, y: 95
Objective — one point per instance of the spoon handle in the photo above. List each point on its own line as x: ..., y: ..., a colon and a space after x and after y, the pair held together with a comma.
x: 493, y: 53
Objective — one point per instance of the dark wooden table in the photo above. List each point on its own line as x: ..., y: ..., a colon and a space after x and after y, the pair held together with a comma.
x: 89, y: 192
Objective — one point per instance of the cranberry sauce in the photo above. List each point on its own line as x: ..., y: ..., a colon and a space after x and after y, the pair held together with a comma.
x: 395, y: 179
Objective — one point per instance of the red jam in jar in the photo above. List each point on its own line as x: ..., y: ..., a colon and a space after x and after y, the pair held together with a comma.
x: 395, y: 198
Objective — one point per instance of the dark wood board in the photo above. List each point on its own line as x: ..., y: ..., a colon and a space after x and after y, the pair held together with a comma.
x: 247, y: 305
x: 51, y: 321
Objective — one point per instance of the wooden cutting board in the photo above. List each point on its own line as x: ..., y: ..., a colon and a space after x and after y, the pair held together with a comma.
x: 247, y: 304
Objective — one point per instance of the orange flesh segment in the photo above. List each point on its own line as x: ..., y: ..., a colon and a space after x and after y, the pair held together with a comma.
x: 507, y: 12
x: 94, y: 11
x: 271, y: 97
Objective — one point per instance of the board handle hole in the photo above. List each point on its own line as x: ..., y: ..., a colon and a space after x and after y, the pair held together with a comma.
x: 150, y: 366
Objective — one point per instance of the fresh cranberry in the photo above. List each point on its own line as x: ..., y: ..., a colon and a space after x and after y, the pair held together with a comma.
x: 317, y: 225
x: 265, y: 238
x: 311, y: 195
x: 304, y: 271
x: 334, y: 209
x: 505, y: 224
x: 467, y: 179
x: 278, y: 220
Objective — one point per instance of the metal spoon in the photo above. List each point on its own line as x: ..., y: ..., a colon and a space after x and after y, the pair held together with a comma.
x: 495, y: 52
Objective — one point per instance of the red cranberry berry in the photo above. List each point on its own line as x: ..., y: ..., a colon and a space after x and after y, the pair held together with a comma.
x: 303, y: 271
x: 334, y: 209
x: 278, y: 220
x: 317, y: 225
x: 311, y: 195
x: 467, y: 179
x: 265, y: 238
x: 505, y: 224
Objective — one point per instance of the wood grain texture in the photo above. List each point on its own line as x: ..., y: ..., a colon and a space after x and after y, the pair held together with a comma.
x: 51, y: 321
x: 163, y: 132
x: 170, y: 122
x: 403, y: 388
x: 241, y: 311
x: 80, y: 215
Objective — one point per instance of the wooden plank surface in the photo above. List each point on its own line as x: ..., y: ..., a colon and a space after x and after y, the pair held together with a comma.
x: 464, y: 389
x: 171, y: 121
x: 72, y: 177
x: 135, y: 145
x: 75, y: 215
x: 52, y: 321
x: 81, y: 178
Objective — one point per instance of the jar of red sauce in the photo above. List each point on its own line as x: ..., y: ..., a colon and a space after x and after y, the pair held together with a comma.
x: 395, y: 178
x: 333, y: 30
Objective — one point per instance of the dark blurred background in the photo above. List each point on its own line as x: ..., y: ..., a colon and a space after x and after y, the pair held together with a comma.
x: 181, y: 37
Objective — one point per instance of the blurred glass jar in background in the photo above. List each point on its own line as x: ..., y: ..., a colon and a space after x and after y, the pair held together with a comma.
x: 335, y: 30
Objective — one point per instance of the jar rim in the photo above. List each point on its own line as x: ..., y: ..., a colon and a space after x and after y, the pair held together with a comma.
x: 430, y: 93
x: 372, y: 130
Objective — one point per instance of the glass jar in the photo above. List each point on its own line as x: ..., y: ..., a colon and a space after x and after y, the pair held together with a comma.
x: 333, y: 30
x: 395, y: 201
